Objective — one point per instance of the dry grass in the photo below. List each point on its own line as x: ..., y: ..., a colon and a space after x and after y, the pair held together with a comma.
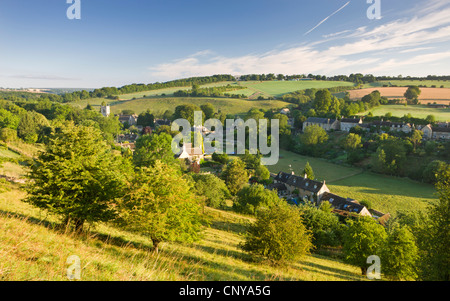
x: 438, y: 95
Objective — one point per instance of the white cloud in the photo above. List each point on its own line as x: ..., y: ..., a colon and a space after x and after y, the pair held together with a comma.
x: 370, y: 50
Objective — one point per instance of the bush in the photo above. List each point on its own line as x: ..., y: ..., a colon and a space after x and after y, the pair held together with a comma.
x: 278, y: 234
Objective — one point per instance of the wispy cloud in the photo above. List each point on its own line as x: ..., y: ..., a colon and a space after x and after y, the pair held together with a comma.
x: 418, y: 41
x: 324, y: 20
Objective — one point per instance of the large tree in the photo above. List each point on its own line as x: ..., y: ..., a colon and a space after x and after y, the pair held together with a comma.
x: 253, y: 197
x: 412, y: 94
x: 235, y: 175
x: 363, y: 238
x: 77, y: 176
x: 161, y: 205
x: 150, y: 148
x: 278, y: 234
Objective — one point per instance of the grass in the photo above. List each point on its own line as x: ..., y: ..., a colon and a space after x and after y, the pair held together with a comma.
x: 228, y: 105
x: 279, y: 88
x: 35, y: 248
x: 406, y: 82
x: 386, y: 193
x: 418, y: 111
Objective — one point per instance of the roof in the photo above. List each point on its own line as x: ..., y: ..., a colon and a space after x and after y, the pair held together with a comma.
x: 320, y: 120
x: 351, y: 120
x: 340, y: 203
x: 299, y: 182
x: 441, y: 129
x: 277, y: 186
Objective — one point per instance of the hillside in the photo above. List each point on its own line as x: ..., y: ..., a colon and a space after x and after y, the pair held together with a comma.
x: 35, y: 248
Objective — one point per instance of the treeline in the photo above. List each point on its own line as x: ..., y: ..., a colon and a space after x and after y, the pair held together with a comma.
x: 196, y: 91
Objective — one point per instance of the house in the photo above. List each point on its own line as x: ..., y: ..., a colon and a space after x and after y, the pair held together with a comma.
x: 427, y: 131
x: 130, y: 119
x: 325, y: 123
x: 305, y: 188
x: 160, y: 122
x: 191, y: 152
x: 345, y: 206
x: 280, y: 188
x: 285, y: 111
x: 440, y: 132
x: 348, y: 123
x: 393, y: 126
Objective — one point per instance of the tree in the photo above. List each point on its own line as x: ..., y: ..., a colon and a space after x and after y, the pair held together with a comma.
x: 9, y: 119
x: 324, y: 224
x: 313, y: 135
x: 322, y: 101
x: 221, y: 158
x: 8, y: 135
x: 209, y: 110
x: 253, y: 197
x: 213, y: 189
x: 262, y: 173
x: 150, y: 148
x: 400, y: 254
x: 435, y: 240
x: 235, y: 175
x: 432, y: 170
x: 78, y: 177
x: 31, y: 125
x: 412, y: 94
x: 146, y: 119
x: 431, y: 119
x: 363, y: 238
x: 352, y: 142
x: 187, y: 112
x: 161, y: 205
x: 416, y: 137
x: 308, y: 171
x: 278, y: 234
x: 390, y: 156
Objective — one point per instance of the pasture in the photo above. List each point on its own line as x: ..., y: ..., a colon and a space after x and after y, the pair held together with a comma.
x: 226, y: 105
x: 386, y: 193
x: 409, y: 82
x: 418, y: 111
x: 279, y: 88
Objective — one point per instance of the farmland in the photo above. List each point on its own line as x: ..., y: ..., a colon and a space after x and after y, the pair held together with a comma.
x: 418, y: 111
x: 428, y: 95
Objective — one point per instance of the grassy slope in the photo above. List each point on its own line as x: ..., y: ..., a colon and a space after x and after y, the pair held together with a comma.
x: 33, y: 249
x: 386, y: 193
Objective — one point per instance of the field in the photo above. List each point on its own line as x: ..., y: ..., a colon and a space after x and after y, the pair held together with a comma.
x: 407, y: 82
x: 386, y: 193
x: 428, y: 95
x: 279, y: 88
x: 418, y: 111
x: 228, y: 105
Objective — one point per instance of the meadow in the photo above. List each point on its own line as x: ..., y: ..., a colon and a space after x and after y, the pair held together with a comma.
x: 418, y: 111
x: 428, y: 95
x: 227, y: 105
x: 409, y: 82
x: 386, y: 193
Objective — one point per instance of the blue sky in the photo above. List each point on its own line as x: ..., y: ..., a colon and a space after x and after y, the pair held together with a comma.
x: 119, y: 42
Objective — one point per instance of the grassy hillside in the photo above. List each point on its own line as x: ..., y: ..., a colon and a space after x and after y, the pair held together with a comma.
x: 386, y: 193
x: 228, y: 105
x: 35, y: 248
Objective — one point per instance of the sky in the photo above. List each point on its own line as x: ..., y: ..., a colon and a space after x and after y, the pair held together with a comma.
x: 119, y: 42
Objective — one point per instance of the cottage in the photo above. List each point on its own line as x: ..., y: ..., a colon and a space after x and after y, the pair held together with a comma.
x: 345, y: 206
x: 348, y: 123
x: 393, y: 126
x: 325, y: 123
x: 427, y: 131
x: 280, y: 188
x: 440, y: 132
x: 105, y: 110
x: 305, y: 188
x: 130, y: 119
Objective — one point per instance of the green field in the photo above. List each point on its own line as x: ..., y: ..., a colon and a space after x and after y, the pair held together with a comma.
x: 406, y: 82
x: 418, y: 111
x: 279, y: 88
x: 387, y: 194
x: 227, y: 105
